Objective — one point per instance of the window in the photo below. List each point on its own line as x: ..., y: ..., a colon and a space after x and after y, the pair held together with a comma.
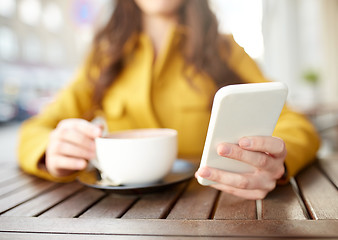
x: 7, y: 8
x: 243, y: 19
x: 9, y: 48
x: 30, y: 11
x: 32, y: 49
x: 52, y: 17
x: 55, y: 52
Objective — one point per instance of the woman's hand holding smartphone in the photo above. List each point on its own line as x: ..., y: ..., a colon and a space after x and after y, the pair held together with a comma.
x: 240, y: 155
x: 265, y: 154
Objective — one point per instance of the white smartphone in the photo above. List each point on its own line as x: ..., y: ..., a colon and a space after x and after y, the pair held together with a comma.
x: 241, y: 110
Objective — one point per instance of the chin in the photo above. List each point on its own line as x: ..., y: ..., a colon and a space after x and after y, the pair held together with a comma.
x: 159, y: 7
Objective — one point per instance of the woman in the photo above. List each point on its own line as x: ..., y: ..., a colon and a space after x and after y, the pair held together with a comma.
x: 158, y: 64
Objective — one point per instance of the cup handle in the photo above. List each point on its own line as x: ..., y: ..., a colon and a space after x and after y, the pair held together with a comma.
x: 96, y: 164
x: 105, y: 180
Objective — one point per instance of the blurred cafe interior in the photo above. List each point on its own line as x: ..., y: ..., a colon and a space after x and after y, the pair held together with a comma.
x: 43, y: 42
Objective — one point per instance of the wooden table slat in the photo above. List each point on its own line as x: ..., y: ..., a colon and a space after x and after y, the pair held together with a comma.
x: 154, y: 205
x: 283, y: 204
x: 44, y: 201
x: 53, y: 236
x: 232, y: 207
x: 8, y: 167
x: 112, y: 206
x: 320, y: 195
x: 166, y: 227
x: 15, y: 184
x: 330, y: 167
x: 44, y: 236
x: 74, y: 205
x: 195, y: 203
x: 24, y: 194
x: 9, y: 175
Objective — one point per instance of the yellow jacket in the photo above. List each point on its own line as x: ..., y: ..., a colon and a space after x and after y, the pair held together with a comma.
x: 151, y: 95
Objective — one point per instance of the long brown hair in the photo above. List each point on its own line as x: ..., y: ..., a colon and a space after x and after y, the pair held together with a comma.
x: 200, y: 47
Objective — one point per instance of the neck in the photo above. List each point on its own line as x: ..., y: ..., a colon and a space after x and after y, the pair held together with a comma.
x: 157, y: 28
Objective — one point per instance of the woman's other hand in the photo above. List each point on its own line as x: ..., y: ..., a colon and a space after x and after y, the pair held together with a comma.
x: 71, y: 145
x: 265, y: 154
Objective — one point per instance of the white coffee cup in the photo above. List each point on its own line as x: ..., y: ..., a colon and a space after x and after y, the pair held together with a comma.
x: 137, y: 156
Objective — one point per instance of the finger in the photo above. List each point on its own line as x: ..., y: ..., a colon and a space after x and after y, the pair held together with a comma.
x: 255, y: 194
x: 259, y: 160
x: 70, y: 163
x: 88, y: 129
x: 272, y: 145
x: 237, y: 180
x: 79, y: 139
x: 71, y: 150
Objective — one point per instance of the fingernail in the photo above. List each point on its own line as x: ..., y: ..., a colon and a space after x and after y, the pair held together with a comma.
x: 204, y: 172
x: 245, y: 142
x: 224, y: 150
x: 81, y: 164
x: 98, y: 131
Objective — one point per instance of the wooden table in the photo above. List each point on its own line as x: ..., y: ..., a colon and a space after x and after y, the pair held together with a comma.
x: 32, y: 208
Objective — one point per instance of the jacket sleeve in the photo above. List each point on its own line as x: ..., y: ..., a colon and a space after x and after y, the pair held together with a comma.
x: 301, y: 138
x: 72, y: 102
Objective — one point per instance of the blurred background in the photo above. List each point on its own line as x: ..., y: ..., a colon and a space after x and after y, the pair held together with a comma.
x: 43, y: 42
